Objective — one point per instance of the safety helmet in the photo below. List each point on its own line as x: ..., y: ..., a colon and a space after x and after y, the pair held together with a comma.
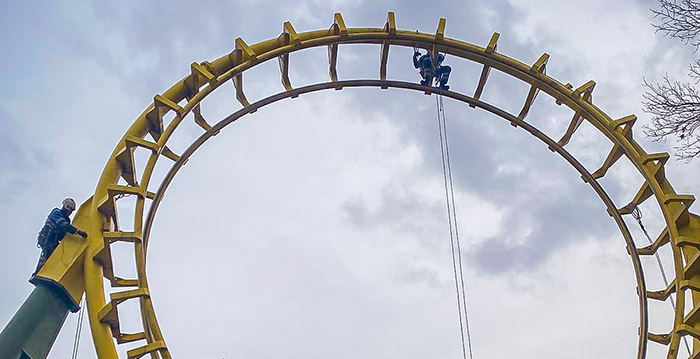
x: 69, y: 204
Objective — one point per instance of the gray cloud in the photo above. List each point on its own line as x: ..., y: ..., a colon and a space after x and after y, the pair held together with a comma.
x: 17, y: 158
x: 558, y: 222
x: 290, y: 233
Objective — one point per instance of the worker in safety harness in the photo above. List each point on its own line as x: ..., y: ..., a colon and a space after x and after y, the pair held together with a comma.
x: 432, y: 71
x: 54, y: 229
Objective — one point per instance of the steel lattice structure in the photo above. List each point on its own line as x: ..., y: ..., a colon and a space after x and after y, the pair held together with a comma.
x: 91, y: 261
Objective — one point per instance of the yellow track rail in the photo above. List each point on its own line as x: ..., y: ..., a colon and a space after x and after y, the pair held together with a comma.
x: 92, y: 261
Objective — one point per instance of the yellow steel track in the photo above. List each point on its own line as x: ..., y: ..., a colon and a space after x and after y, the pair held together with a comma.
x: 90, y: 262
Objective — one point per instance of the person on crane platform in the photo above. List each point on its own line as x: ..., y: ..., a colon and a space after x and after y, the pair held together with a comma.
x: 431, y: 70
x: 55, y: 228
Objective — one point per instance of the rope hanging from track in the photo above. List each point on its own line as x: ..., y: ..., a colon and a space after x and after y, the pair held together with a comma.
x: 637, y: 214
x: 78, y: 330
x: 454, y: 231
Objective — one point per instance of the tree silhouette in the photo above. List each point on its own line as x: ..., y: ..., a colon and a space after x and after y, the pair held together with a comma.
x: 675, y: 105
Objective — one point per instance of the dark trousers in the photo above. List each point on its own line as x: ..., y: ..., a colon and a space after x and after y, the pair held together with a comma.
x: 46, y: 252
x: 442, y: 74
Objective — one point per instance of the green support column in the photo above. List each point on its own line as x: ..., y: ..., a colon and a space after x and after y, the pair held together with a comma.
x: 33, y: 329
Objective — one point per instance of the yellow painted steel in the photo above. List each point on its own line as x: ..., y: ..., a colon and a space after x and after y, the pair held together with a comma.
x: 88, y: 262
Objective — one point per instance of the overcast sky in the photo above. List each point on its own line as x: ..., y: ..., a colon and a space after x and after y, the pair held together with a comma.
x: 316, y: 227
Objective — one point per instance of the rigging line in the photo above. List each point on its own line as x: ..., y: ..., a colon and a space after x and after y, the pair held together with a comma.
x: 637, y: 214
x: 78, y: 330
x: 454, y: 215
x: 449, y: 219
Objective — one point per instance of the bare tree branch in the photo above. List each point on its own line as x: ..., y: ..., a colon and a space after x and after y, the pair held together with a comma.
x: 694, y: 72
x: 675, y: 109
x: 679, y: 19
x: 675, y: 105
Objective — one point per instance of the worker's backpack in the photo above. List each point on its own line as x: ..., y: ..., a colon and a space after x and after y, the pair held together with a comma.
x: 45, y: 234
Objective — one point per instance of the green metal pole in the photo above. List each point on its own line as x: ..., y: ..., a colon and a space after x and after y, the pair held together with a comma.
x: 33, y: 329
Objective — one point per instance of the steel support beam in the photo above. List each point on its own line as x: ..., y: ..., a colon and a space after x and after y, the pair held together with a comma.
x: 33, y: 329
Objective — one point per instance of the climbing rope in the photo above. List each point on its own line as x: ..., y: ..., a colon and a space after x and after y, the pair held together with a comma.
x: 454, y: 231
x: 78, y: 330
x: 454, y: 215
x: 637, y: 215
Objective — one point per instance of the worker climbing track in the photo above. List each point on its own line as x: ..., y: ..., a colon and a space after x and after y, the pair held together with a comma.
x: 85, y: 264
